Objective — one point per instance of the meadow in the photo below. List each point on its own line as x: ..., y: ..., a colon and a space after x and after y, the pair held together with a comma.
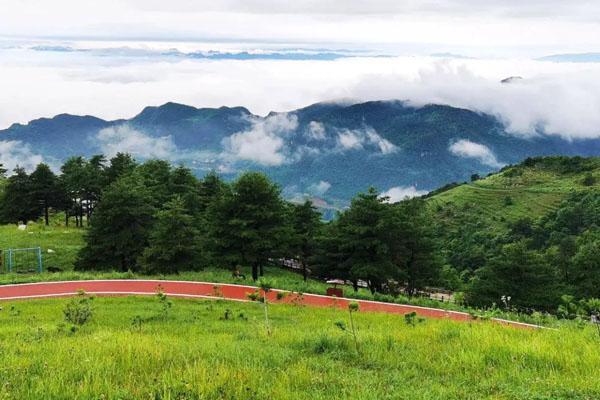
x: 137, y: 347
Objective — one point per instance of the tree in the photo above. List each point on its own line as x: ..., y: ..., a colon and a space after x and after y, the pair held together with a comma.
x: 17, y: 202
x: 184, y: 185
x: 585, y: 276
x: 120, y: 229
x: 520, y: 273
x: 121, y: 164
x: 45, y: 189
x: 2, y: 171
x: 412, y: 249
x: 246, y: 222
x: 305, y: 221
x: 173, y: 241
x: 362, y: 239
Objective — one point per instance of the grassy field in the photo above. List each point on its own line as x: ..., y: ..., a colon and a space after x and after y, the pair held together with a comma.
x: 59, y: 244
x: 132, y: 349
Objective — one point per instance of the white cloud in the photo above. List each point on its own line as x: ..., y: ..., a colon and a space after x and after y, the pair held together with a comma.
x: 350, y: 140
x: 264, y: 142
x: 316, y: 130
x: 561, y: 98
x: 319, y: 188
x: 466, y: 148
x: 359, y: 138
x: 399, y: 193
x: 15, y: 153
x: 125, y: 139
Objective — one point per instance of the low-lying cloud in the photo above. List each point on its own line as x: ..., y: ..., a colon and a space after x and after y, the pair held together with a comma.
x: 360, y: 138
x: 264, y: 142
x: 14, y: 153
x: 125, y: 139
x: 469, y: 149
x: 399, y: 193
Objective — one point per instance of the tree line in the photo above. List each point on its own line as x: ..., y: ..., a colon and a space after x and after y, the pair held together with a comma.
x: 157, y: 218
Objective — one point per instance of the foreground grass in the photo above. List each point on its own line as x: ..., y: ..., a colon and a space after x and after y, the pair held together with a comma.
x: 193, y: 352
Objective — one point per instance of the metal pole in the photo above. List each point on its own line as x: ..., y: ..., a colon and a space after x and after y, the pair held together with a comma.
x: 39, y: 254
x: 9, y: 260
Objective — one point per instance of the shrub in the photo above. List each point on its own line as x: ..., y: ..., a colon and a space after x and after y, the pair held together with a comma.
x: 78, y: 310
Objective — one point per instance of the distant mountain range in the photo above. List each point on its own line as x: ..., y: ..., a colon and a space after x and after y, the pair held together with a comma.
x: 328, y: 151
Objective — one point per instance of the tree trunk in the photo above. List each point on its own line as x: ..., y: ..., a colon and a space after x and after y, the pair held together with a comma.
x: 66, y: 219
x: 262, y: 271
x: 254, y: 271
x: 304, y: 271
x: 355, y: 285
x: 46, y: 216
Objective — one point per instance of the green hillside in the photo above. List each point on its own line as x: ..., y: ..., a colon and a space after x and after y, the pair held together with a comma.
x: 529, y: 190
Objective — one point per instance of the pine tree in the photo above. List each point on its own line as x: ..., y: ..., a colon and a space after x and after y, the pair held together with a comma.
x: 518, y: 273
x: 305, y: 223
x: 173, y: 244
x: 120, y: 228
x: 411, y: 245
x: 45, y: 189
x: 18, y: 204
x: 363, y: 240
x: 247, y: 221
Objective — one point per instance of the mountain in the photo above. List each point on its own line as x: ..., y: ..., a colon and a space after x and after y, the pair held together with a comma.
x: 328, y: 151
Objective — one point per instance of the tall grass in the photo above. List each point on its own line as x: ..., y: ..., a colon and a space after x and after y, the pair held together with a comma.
x: 195, y: 353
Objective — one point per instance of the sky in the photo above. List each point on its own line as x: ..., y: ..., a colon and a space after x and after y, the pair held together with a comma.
x: 112, y: 58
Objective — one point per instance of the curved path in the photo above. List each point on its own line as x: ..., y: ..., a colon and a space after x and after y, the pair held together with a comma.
x: 209, y: 290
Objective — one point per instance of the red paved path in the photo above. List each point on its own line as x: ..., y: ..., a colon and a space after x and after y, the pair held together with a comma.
x: 215, y: 290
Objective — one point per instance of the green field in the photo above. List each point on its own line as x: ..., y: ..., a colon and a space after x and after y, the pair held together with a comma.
x: 194, y: 352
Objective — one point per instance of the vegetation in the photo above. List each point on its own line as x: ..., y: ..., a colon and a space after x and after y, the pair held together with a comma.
x: 528, y: 233
x: 194, y: 352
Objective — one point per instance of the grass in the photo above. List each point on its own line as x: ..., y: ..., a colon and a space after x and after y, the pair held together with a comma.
x: 133, y: 349
x: 59, y: 244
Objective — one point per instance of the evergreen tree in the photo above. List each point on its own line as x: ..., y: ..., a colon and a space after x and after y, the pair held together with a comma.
x: 407, y: 226
x: 121, y: 164
x: 184, y: 185
x: 362, y: 239
x: 120, y: 228
x: 45, y: 189
x: 305, y: 223
x: 246, y: 222
x: 173, y: 241
x: 585, y: 276
x: 18, y: 205
x: 518, y: 273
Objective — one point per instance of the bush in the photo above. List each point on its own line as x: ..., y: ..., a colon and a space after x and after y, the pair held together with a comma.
x: 78, y: 310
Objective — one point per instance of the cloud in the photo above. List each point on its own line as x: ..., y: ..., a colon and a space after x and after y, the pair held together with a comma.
x: 319, y: 188
x: 559, y: 99
x: 125, y: 139
x: 264, y: 142
x: 359, y: 138
x: 350, y: 140
x: 468, y: 149
x: 555, y: 99
x: 15, y: 153
x: 399, y: 193
x: 316, y: 130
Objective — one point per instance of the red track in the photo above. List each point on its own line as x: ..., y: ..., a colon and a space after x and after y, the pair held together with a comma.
x: 215, y: 290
